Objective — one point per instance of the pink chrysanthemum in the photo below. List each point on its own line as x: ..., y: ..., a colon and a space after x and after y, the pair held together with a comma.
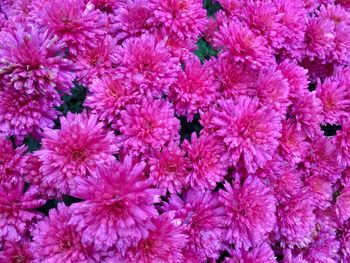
x: 293, y: 145
x: 290, y: 257
x: 335, y: 100
x: 131, y: 19
x: 342, y: 204
x: 75, y: 150
x: 17, y: 214
x: 76, y: 23
x: 143, y: 61
x: 272, y: 89
x: 12, y: 161
x: 321, y: 159
x: 249, y: 131
x: 203, y: 217
x: 320, y: 35
x: 343, y: 144
x: 344, y: 3
x: 296, y: 219
x: 296, y: 76
x: 261, y: 253
x: 169, y: 168
x: 27, y: 114
x: 164, y: 243
x: 30, y: 62
x: 195, y: 89
x: 16, y: 252
x: 321, y: 189
x: 109, y: 95
x: 95, y: 62
x: 241, y: 45
x: 186, y: 18
x: 306, y: 111
x: 57, y: 240
x: 150, y: 125
x: 117, y: 207
x: 234, y: 79
x: 208, y: 160
x: 107, y: 6
x: 250, y: 211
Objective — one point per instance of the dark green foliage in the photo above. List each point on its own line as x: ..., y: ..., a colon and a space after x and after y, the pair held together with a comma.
x: 73, y: 102
x: 204, y: 51
x: 330, y: 130
x: 211, y: 7
x: 187, y: 128
x: 32, y: 144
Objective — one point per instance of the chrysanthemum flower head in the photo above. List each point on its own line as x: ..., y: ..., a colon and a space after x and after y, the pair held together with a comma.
x: 148, y: 64
x: 16, y: 252
x: 249, y: 131
x: 146, y: 126
x: 109, y: 95
x: 75, y: 22
x: 209, y: 161
x: 342, y: 204
x: 117, y: 207
x: 164, y: 243
x: 242, y: 45
x: 186, y: 18
x: 195, y: 89
x: 169, y: 168
x: 343, y: 144
x: 250, y: 211
x: 261, y: 253
x: 321, y: 189
x: 17, y: 214
x: 75, y: 150
x: 12, y: 161
x: 57, y: 240
x: 30, y: 62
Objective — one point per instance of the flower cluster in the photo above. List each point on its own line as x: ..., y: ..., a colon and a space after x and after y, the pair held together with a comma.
x: 174, y: 131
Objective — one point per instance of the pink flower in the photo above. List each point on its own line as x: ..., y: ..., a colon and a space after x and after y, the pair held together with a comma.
x: 144, y: 60
x: 203, y: 217
x: 342, y: 204
x: 290, y: 257
x: 261, y: 253
x: 195, y: 89
x: 77, y: 24
x: 16, y: 252
x: 296, y: 219
x: 307, y: 113
x: 164, y: 243
x: 249, y: 131
x: 343, y: 144
x: 242, y: 45
x: 12, y: 161
x: 293, y: 145
x: 186, y: 18
x: 118, y: 209
x: 75, y: 150
x: 57, y: 240
x: 17, y: 214
x: 335, y: 100
x: 107, y: 6
x: 208, y: 160
x: 109, y: 95
x: 24, y: 114
x: 30, y: 63
x: 149, y: 127
x: 250, y: 211
x: 169, y: 168
x: 321, y: 189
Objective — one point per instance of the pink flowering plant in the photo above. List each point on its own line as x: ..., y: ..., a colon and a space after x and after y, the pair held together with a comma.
x: 156, y: 131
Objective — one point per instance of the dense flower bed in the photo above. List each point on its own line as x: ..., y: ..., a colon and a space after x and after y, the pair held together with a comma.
x: 174, y: 131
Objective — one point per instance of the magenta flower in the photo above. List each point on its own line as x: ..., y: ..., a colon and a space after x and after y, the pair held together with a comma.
x: 164, y: 243
x: 30, y: 63
x: 149, y: 127
x: 76, y: 150
x: 76, y: 23
x: 208, y: 161
x: 168, y: 168
x: 16, y: 252
x: 143, y: 61
x: 203, y: 217
x: 57, y: 240
x: 342, y: 204
x: 261, y: 253
x: 249, y: 131
x: 186, y: 18
x: 321, y: 189
x: 195, y: 89
x: 343, y: 144
x: 109, y: 95
x: 250, y: 211
x: 117, y: 208
x: 17, y: 214
x: 242, y: 45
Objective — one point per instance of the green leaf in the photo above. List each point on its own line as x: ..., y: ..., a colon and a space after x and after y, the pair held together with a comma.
x: 32, y: 144
x: 73, y: 102
x: 204, y: 50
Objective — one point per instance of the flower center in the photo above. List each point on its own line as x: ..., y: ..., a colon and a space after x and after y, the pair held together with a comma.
x: 79, y: 155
